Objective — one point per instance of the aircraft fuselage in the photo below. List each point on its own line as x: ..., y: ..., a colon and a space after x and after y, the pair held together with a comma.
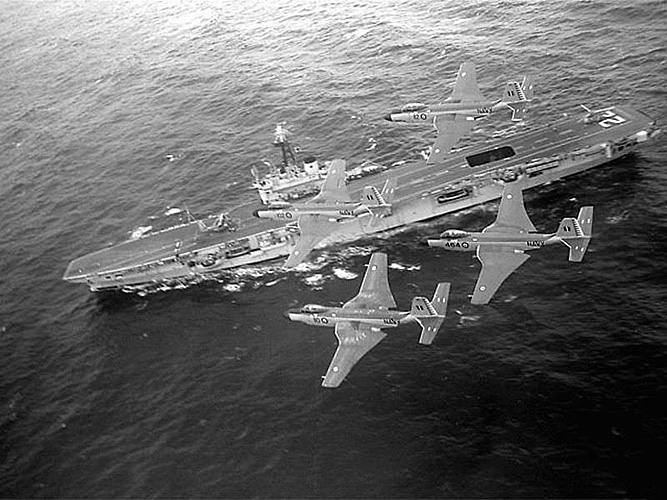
x: 472, y: 241
x: 471, y: 109
x: 342, y: 210
x: 329, y: 316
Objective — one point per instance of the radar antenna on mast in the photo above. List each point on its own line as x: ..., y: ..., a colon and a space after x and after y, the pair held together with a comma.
x: 290, y: 163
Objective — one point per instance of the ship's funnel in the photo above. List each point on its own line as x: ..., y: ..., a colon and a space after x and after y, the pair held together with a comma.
x: 310, y: 166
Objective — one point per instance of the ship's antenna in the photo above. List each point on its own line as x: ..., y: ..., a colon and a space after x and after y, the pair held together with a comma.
x: 290, y: 161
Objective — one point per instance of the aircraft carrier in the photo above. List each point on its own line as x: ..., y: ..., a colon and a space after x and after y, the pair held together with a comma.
x: 195, y: 248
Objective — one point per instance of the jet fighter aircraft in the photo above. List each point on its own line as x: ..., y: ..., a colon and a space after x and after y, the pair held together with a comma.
x: 319, y: 217
x: 500, y: 247
x: 456, y: 116
x: 373, y: 201
x: 359, y: 323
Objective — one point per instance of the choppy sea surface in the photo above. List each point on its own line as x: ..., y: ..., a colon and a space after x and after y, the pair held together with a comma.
x: 113, y: 111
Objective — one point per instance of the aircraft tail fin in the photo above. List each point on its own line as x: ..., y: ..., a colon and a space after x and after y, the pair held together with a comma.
x: 372, y: 196
x: 431, y: 314
x: 378, y: 202
x: 516, y: 95
x: 576, y: 233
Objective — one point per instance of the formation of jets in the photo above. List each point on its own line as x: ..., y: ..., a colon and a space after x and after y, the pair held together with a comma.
x: 457, y: 115
x: 360, y: 323
x: 319, y: 217
x: 500, y: 248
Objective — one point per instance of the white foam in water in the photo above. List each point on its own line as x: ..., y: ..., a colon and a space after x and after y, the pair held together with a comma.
x: 355, y: 250
x: 254, y: 271
x: 316, y: 280
x: 402, y: 267
x: 344, y: 274
x: 232, y: 287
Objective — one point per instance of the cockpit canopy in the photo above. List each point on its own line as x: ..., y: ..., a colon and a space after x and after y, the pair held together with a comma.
x: 413, y: 106
x: 454, y: 234
x: 313, y: 308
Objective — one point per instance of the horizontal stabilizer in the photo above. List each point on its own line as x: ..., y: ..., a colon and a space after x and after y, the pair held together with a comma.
x: 430, y: 327
x: 440, y: 298
x: 430, y: 315
x: 516, y: 96
x: 576, y: 233
x: 518, y: 92
x: 585, y: 219
x: 518, y: 112
x: 388, y: 190
x: 378, y: 203
x: 578, y: 247
x: 527, y: 88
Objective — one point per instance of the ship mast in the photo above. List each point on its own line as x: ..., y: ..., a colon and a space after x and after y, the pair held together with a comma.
x: 290, y: 163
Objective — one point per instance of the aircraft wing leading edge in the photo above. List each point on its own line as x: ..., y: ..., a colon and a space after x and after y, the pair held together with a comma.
x: 465, y: 87
x: 313, y: 228
x: 333, y: 189
x: 498, y: 262
x: 512, y: 216
x: 354, y: 341
x: 374, y: 291
x: 450, y: 128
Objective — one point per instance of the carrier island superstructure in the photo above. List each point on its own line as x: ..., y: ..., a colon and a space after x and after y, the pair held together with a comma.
x: 469, y: 177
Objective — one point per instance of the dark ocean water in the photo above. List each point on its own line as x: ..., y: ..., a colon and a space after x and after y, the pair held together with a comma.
x: 112, y: 111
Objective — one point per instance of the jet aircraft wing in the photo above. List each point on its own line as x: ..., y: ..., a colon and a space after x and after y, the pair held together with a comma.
x: 354, y: 341
x: 512, y: 216
x: 450, y: 127
x: 313, y: 229
x: 465, y: 87
x: 374, y: 291
x: 498, y: 262
x: 333, y: 189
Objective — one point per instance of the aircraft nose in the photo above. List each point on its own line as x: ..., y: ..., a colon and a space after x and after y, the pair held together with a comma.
x: 288, y: 314
x: 255, y: 213
x: 388, y: 117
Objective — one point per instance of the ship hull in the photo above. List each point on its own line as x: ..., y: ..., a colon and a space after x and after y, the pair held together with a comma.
x: 469, y: 177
